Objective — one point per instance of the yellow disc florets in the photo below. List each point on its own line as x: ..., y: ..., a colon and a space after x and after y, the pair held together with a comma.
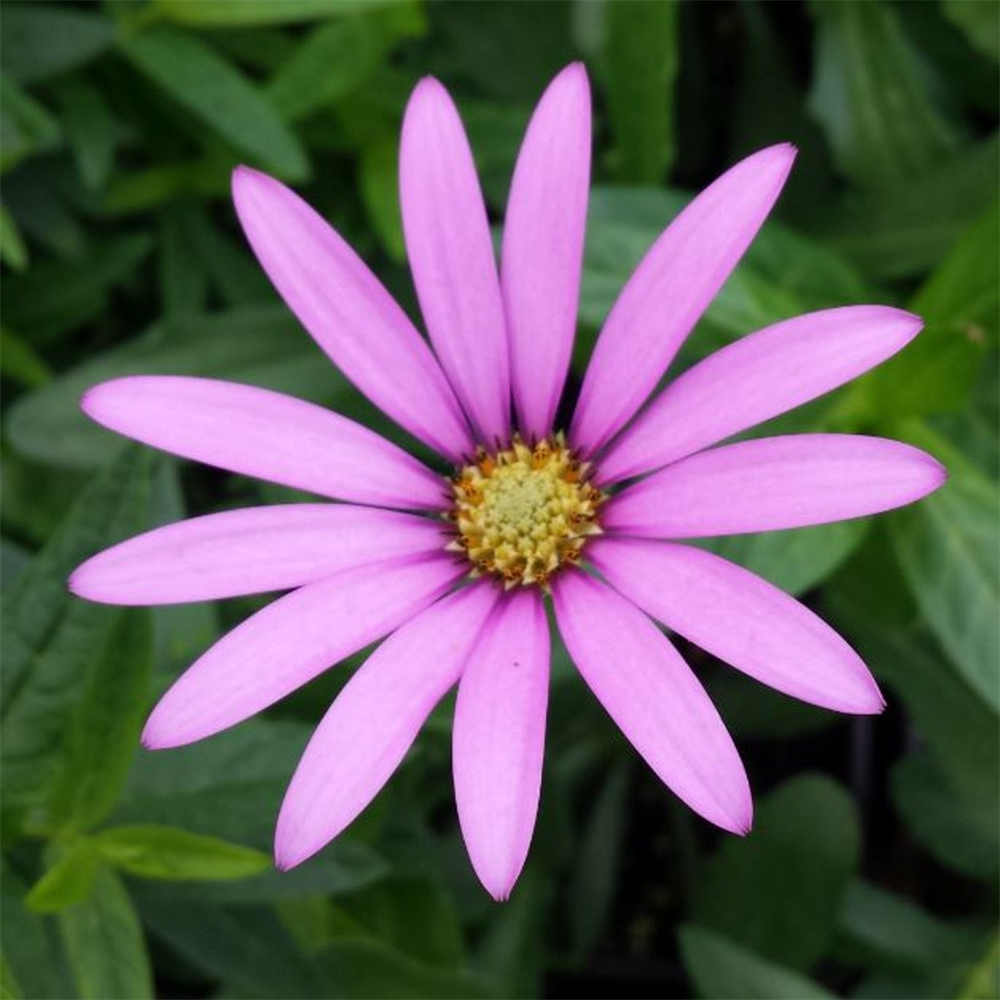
x: 524, y: 512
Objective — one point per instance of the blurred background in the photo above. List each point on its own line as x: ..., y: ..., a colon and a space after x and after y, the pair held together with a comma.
x: 872, y: 868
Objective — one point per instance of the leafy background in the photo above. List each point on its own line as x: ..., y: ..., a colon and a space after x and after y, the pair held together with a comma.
x: 872, y: 869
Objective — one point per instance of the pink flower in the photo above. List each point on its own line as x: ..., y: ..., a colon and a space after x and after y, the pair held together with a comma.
x: 527, y: 512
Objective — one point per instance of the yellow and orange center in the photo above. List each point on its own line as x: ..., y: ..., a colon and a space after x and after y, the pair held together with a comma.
x: 524, y: 512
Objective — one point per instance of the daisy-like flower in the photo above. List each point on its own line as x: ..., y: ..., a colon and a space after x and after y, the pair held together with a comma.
x: 455, y: 568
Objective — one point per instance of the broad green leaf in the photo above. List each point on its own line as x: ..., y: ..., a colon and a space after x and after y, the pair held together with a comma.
x: 960, y: 831
x: 31, y: 947
x: 41, y: 40
x: 19, y: 362
x: 871, y: 94
x: 595, y: 877
x: 641, y: 59
x: 60, y: 295
x: 722, y: 970
x: 105, y: 944
x: 154, y: 187
x: 13, y: 252
x: 183, y: 282
x: 755, y: 711
x: 512, y: 949
x: 165, y: 852
x: 229, y: 787
x: 979, y: 22
x: 894, y: 932
x: 200, y: 79
x: 247, y: 13
x: 51, y: 638
x: 329, y: 63
x: 259, y: 345
x: 10, y: 988
x: 26, y: 127
x: 379, y: 187
x: 795, y: 561
x: 69, y: 878
x: 904, y: 230
x: 778, y: 892
x: 962, y: 287
x: 870, y: 603
x: 949, y: 548
x: 14, y: 559
x: 342, y: 869
x: 411, y: 915
x: 247, y: 946
x: 89, y: 128
x: 104, y: 734
x: 367, y: 969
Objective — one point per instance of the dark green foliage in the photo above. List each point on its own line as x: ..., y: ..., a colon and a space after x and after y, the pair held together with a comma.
x: 130, y: 874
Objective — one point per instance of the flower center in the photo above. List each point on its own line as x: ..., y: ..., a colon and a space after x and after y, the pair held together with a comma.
x: 523, y: 512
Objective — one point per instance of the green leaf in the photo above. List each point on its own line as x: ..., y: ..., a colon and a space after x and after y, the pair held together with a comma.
x: 370, y: 971
x: 641, y: 59
x: 330, y: 62
x: 871, y: 95
x: 69, y: 878
x: 165, y: 852
x: 960, y: 831
x: 90, y: 131
x: 779, y: 891
x: 796, y: 561
x: 721, y: 970
x: 228, y: 787
x: 412, y: 915
x: 26, y: 127
x: 949, y: 549
x: 13, y: 252
x: 50, y: 638
x: 10, y: 988
x: 41, y: 40
x: 247, y: 946
x: 893, y: 932
x: 341, y: 869
x: 904, y: 230
x: 105, y: 943
x: 259, y: 345
x: 962, y: 287
x: 200, y: 79
x: 60, y: 295
x: 979, y: 22
x: 19, y: 362
x: 30, y: 945
x: 592, y: 888
x: 379, y: 187
x: 104, y: 734
x: 183, y: 282
x: 247, y: 13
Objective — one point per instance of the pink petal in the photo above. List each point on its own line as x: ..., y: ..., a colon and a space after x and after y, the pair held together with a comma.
x: 265, y: 434
x: 499, y: 739
x: 374, y: 720
x: 773, y: 483
x: 757, y: 378
x: 451, y: 256
x: 250, y: 551
x: 655, y: 699
x: 348, y: 312
x: 740, y: 618
x: 291, y: 641
x: 670, y: 290
x: 543, y: 247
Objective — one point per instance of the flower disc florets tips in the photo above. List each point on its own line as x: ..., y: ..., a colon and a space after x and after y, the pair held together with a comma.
x: 524, y: 512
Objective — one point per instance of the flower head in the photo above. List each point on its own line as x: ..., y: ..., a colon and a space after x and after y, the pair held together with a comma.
x: 455, y: 565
